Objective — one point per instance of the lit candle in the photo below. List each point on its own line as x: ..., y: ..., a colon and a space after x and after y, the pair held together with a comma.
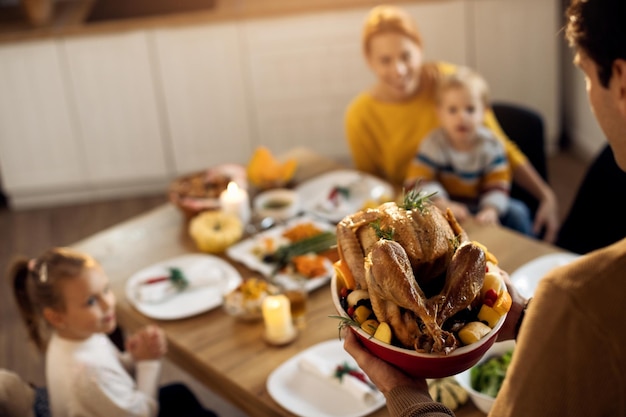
x: 279, y: 327
x: 235, y: 200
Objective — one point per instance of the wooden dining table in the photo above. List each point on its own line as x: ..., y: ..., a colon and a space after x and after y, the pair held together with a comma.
x: 228, y: 355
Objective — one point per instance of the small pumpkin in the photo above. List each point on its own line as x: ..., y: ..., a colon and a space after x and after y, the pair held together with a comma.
x: 447, y: 392
x: 265, y: 171
x: 214, y: 231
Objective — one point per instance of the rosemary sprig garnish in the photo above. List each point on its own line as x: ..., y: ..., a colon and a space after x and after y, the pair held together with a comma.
x: 415, y: 199
x: 344, y: 322
x: 386, y: 234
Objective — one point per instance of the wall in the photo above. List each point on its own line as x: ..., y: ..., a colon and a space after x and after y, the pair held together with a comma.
x: 118, y: 113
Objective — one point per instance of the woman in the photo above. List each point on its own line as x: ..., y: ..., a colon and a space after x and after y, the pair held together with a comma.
x: 385, y: 124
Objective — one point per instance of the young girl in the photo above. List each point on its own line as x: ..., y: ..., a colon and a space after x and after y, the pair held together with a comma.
x: 86, y: 374
x: 463, y: 162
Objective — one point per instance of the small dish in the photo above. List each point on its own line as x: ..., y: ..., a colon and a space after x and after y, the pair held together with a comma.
x: 245, y: 301
x: 279, y: 204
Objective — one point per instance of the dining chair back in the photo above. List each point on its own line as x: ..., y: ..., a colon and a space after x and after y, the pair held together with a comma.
x: 525, y: 127
x: 596, y: 216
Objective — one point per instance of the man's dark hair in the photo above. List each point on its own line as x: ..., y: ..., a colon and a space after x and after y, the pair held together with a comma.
x: 598, y: 29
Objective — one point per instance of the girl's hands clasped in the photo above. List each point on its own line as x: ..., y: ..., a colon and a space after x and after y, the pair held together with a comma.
x: 147, y: 344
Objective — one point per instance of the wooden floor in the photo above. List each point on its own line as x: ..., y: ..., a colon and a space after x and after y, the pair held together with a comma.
x: 30, y: 232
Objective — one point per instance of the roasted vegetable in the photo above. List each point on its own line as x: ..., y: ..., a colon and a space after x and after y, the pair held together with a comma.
x: 447, y: 392
x: 383, y: 333
x: 314, y: 244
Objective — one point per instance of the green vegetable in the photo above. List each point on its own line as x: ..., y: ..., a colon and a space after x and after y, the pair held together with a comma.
x: 416, y: 200
x: 314, y: 244
x: 178, y: 279
x: 488, y: 376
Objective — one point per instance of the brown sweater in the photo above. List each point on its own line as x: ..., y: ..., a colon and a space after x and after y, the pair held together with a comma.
x: 570, y: 356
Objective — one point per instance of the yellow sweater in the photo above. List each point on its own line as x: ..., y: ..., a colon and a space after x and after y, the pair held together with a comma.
x: 383, y: 137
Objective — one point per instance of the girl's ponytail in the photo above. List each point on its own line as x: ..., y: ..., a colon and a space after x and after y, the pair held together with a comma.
x: 36, y: 286
x: 19, y: 275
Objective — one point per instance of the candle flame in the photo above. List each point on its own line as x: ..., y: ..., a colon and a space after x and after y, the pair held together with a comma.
x: 272, y: 302
x: 232, y: 187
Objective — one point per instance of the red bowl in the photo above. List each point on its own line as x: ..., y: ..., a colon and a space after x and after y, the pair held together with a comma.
x: 425, y: 365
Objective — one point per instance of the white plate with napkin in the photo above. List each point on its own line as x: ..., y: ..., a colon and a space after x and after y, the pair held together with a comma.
x: 306, y: 384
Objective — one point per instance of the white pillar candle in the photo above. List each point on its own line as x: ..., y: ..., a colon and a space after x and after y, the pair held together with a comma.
x: 279, y: 328
x: 235, y: 200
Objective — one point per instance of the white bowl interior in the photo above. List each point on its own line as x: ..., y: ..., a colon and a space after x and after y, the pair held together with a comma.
x: 483, y: 402
x: 288, y: 204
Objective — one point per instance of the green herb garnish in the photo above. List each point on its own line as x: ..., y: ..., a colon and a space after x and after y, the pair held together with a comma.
x: 344, y: 322
x: 314, y: 244
x: 178, y: 279
x: 415, y: 199
x: 381, y: 233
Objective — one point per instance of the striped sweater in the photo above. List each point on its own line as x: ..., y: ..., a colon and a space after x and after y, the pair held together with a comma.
x: 479, y: 177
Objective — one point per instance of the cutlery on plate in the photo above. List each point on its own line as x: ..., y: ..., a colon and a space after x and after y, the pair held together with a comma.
x: 162, y: 288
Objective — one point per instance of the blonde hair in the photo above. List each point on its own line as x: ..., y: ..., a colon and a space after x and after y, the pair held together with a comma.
x: 464, y: 78
x: 392, y: 19
x: 37, y: 285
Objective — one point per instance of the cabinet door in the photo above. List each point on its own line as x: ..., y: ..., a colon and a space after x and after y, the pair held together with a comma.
x: 38, y: 147
x: 204, y: 90
x: 516, y: 49
x: 305, y: 70
x: 114, y: 91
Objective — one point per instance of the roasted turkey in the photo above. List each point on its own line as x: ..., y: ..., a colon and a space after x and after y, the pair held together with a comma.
x: 418, y: 266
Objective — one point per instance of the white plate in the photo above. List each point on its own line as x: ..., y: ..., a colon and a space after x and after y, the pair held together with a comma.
x: 363, y: 188
x: 220, y: 275
x: 244, y: 252
x: 526, y: 277
x: 307, y: 395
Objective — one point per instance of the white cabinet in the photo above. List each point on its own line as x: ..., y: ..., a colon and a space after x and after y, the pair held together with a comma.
x: 204, y: 95
x: 79, y: 120
x: 516, y: 48
x: 113, y: 88
x: 305, y: 70
x: 39, y: 150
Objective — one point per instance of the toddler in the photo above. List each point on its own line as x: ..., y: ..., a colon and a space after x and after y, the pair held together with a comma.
x: 86, y: 374
x: 463, y: 162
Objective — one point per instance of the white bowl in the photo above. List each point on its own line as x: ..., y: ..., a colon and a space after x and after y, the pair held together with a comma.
x: 483, y: 402
x: 278, y: 204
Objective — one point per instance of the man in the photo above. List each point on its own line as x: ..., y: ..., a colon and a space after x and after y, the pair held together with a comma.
x: 570, y: 355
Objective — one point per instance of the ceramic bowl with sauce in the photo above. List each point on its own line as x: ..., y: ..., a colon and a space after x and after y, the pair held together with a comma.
x: 279, y: 204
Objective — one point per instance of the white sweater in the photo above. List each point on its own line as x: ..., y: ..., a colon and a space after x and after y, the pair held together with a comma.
x: 93, y: 378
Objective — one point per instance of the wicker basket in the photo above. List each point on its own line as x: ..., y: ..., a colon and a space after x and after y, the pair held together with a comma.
x: 200, y: 191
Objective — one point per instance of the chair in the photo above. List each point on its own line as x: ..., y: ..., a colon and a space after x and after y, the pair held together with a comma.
x: 525, y: 127
x: 20, y: 399
x: 596, y: 217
